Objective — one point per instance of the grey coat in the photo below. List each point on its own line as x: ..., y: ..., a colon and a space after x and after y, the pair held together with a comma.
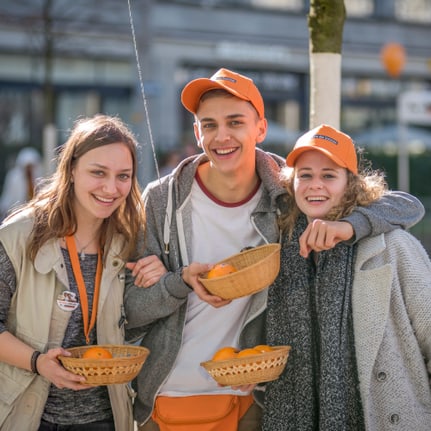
x: 157, y: 314
x: 391, y: 303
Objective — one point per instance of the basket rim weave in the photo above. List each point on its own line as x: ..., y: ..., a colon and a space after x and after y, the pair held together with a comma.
x: 250, y: 277
x: 264, y: 367
x: 123, y: 367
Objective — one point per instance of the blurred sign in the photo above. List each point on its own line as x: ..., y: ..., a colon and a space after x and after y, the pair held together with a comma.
x: 259, y: 53
x: 414, y: 107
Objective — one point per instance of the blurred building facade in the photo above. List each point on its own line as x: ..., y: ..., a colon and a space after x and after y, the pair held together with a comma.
x: 61, y: 59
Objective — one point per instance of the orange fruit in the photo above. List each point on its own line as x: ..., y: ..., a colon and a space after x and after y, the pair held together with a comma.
x: 263, y: 348
x: 97, y: 353
x: 225, y: 353
x: 248, y: 352
x: 221, y: 269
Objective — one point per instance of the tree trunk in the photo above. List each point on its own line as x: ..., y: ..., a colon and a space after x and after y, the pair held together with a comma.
x: 325, y: 22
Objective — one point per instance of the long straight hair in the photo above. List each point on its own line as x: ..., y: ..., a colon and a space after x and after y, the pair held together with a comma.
x: 54, y: 216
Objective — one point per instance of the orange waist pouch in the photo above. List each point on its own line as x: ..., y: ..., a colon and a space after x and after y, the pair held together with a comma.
x: 200, y: 412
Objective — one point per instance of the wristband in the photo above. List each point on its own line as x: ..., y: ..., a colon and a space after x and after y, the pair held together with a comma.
x: 33, y: 361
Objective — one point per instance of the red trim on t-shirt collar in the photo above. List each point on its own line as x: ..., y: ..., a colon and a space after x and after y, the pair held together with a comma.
x: 226, y: 204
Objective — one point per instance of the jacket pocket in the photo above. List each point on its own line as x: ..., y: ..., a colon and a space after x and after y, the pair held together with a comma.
x: 13, y: 382
x: 22, y: 398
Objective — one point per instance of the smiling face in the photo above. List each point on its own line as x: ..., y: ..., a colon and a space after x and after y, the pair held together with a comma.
x: 227, y: 129
x: 319, y: 184
x: 102, y: 179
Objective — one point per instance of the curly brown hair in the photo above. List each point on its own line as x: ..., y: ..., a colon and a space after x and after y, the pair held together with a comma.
x: 54, y: 216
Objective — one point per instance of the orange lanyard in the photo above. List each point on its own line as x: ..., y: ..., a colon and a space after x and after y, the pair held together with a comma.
x: 76, y: 268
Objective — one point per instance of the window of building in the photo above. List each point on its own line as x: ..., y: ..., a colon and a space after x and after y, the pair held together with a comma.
x: 21, y: 111
x: 413, y: 10
x: 288, y: 5
x: 359, y: 8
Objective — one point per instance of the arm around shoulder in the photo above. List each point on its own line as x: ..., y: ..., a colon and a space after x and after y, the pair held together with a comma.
x: 395, y: 209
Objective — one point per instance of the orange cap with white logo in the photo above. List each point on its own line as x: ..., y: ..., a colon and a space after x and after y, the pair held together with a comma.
x: 334, y: 144
x: 236, y: 84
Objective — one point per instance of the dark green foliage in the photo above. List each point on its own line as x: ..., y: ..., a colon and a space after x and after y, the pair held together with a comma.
x: 420, y: 171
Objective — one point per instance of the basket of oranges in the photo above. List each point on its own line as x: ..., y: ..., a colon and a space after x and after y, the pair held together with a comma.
x: 105, y: 364
x: 244, y: 273
x: 259, y: 364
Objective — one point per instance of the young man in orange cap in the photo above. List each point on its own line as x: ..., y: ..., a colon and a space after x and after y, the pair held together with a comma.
x: 212, y: 206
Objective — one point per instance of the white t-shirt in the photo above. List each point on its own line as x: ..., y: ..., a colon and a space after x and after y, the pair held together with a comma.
x: 219, y: 230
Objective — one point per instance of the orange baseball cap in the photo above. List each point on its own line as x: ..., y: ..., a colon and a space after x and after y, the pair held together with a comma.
x: 236, y: 84
x: 334, y: 144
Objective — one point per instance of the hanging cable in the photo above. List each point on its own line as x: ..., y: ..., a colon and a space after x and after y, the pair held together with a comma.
x: 141, y: 83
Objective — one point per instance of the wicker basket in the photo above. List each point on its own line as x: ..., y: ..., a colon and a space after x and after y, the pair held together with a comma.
x: 256, y: 268
x: 260, y: 368
x: 125, y: 364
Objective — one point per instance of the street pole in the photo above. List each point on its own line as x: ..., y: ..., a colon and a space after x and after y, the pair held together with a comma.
x: 403, y: 158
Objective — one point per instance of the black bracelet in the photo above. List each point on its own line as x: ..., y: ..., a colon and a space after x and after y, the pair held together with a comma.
x: 33, y: 361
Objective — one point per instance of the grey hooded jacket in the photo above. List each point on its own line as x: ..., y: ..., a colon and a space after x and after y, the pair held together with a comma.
x: 156, y: 315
